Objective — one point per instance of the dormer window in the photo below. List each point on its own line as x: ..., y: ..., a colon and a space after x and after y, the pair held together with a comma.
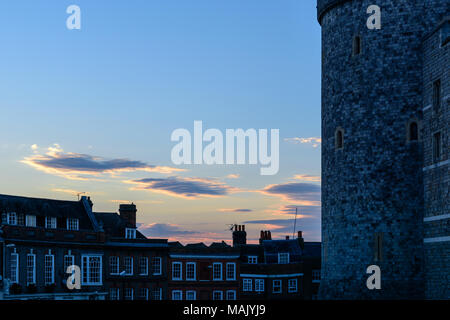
x: 72, y: 224
x: 12, y: 218
x: 283, y: 258
x: 30, y: 220
x: 252, y: 259
x: 130, y: 233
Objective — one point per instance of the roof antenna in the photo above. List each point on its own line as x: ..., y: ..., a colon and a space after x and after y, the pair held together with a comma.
x: 295, y: 223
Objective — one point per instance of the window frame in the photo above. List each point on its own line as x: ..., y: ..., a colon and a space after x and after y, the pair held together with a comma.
x: 128, y: 264
x: 252, y: 259
x: 33, y: 221
x: 130, y: 233
x: 49, y: 223
x: 234, y: 295
x: 247, y: 285
x: 180, y: 292
x: 191, y: 292
x: 194, y: 277
x: 159, y: 264
x: 86, y: 268
x: 114, y: 265
x: 71, y: 227
x: 31, y: 272
x: 276, y: 286
x: 259, y: 285
x: 14, y: 271
x: 116, y: 293
x: 141, y: 259
x: 292, y: 288
x: 125, y: 294
x: 217, y: 292
x: 214, y: 271
x: 11, y: 216
x: 180, y: 264
x: 280, y: 254
x: 234, y: 271
x: 49, y: 270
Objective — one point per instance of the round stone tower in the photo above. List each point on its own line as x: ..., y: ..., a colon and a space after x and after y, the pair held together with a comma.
x: 372, y: 188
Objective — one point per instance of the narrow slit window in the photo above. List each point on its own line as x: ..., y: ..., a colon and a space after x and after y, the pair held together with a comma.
x: 437, y: 94
x: 356, y: 45
x: 378, y: 252
x: 413, y: 131
x: 436, y: 146
x: 339, y: 143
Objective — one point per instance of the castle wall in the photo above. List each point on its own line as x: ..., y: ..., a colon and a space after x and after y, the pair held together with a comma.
x: 436, y: 169
x: 372, y: 188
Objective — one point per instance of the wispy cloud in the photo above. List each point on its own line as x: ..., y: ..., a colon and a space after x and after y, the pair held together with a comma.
x: 235, y: 210
x: 174, y: 232
x: 77, y: 166
x: 307, y: 177
x: 232, y: 176
x: 313, y: 141
x: 188, y: 188
x: 307, y: 194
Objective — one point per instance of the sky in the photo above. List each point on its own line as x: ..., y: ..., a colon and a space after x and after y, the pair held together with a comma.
x: 92, y: 110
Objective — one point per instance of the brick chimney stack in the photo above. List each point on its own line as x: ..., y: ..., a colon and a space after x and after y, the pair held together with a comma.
x: 265, y: 235
x: 128, y: 213
x: 239, y: 235
x: 300, y: 239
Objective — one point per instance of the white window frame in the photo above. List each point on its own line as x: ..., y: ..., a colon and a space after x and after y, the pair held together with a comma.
x: 128, y: 297
x: 247, y: 285
x: 31, y: 268
x: 194, y: 277
x: 114, y: 265
x: 280, y: 259
x: 177, y: 263
x: 217, y: 292
x: 252, y: 259
x: 49, y: 269
x: 233, y: 264
x: 292, y: 285
x: 316, y: 275
x: 66, y: 263
x: 14, y: 268
x: 50, y: 222
x: 114, y: 294
x: 130, y: 233
x: 145, y: 296
x: 30, y: 220
x: 159, y: 293
x: 159, y: 264
x: 232, y: 292
x: 193, y: 293
x: 11, y: 218
x: 276, y: 286
x: 143, y: 266
x: 215, y: 264
x: 174, y: 292
x: 128, y: 265
x: 73, y: 224
x: 259, y: 285
x: 86, y: 270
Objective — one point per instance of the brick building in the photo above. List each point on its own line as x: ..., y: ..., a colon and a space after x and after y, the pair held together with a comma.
x: 200, y: 272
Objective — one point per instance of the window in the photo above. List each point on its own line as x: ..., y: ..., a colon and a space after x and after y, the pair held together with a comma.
x: 72, y: 224
x: 130, y: 233
x: 217, y: 295
x: 129, y: 294
x: 217, y: 271
x: 31, y: 268
x: 156, y: 294
x: 247, y: 285
x: 252, y: 259
x: 191, y: 295
x: 259, y: 285
x: 378, y: 252
x: 49, y: 269
x: 436, y: 146
x: 50, y: 222
x: 276, y: 288
x: 156, y: 266
x: 177, y: 295
x: 114, y: 265
x: 356, y: 45
x: 69, y: 260
x: 437, y: 95
x: 316, y: 275
x: 14, y: 271
x: 231, y: 295
x: 91, y: 267
x: 12, y: 218
x: 283, y: 258
x: 143, y: 266
x: 176, y: 271
x: 128, y: 264
x: 339, y: 139
x: 231, y: 271
x: 114, y: 294
x: 30, y: 221
x: 292, y: 285
x: 413, y: 131
x: 143, y: 293
x: 190, y: 271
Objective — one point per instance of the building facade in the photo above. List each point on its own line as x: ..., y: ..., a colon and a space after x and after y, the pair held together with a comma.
x: 382, y: 203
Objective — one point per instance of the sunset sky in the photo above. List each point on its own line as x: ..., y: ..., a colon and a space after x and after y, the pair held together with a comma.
x: 92, y: 110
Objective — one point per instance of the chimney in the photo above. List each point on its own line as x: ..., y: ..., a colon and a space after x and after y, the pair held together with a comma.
x: 300, y: 239
x: 287, y: 237
x: 265, y: 235
x: 128, y: 213
x: 239, y: 235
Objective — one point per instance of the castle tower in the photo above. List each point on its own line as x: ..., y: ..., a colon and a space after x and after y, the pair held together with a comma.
x: 372, y: 158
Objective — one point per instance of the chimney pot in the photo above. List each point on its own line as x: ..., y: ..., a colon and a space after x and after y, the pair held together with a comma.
x: 287, y: 237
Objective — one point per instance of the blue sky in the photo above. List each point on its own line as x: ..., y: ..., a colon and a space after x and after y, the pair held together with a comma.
x: 110, y: 95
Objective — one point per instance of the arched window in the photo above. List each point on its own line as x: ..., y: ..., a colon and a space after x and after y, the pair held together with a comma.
x: 413, y: 131
x: 339, y: 139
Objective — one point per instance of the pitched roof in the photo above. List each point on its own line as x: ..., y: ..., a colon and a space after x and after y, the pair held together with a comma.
x: 114, y: 225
